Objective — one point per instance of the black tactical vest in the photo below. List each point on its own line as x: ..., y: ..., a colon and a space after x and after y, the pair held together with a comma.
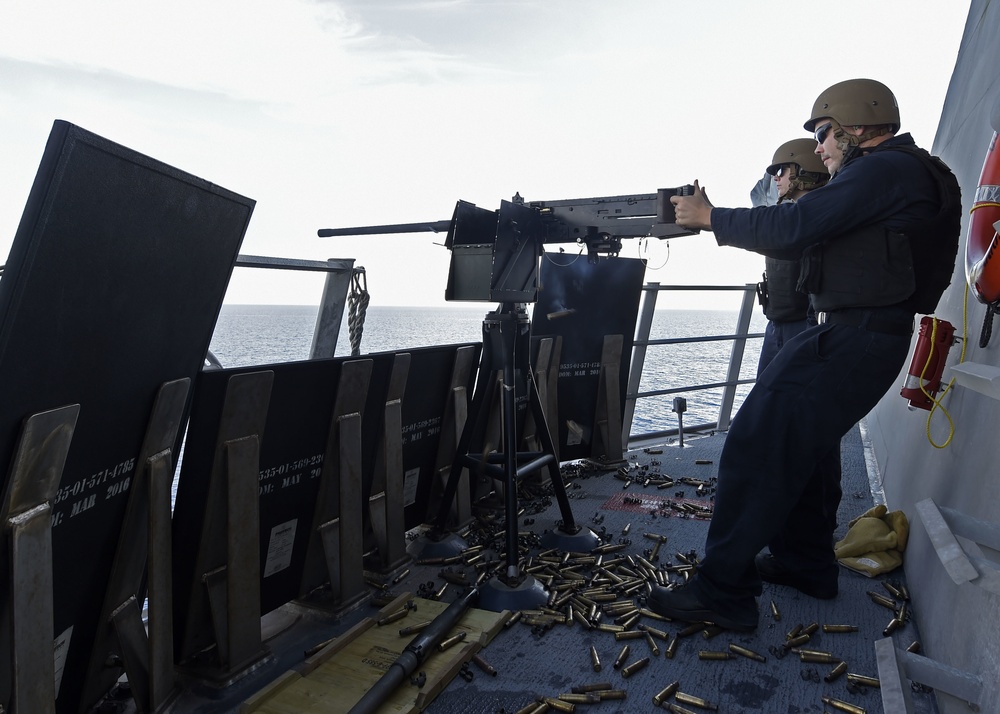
x: 781, y: 301
x: 874, y: 267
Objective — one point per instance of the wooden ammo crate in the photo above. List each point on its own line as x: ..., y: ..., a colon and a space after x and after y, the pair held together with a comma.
x: 335, y: 678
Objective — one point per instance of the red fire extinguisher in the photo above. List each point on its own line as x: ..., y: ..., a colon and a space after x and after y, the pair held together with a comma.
x: 930, y: 352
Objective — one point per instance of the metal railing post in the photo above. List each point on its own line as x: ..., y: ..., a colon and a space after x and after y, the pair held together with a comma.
x: 646, y: 310
x: 736, y: 356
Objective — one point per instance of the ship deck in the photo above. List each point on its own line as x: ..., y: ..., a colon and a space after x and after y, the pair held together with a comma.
x: 539, y: 659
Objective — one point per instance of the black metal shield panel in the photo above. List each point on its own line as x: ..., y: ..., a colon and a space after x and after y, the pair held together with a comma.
x: 582, y: 302
x: 424, y: 411
x: 112, y: 287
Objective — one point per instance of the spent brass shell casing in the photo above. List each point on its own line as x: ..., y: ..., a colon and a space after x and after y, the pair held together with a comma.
x: 882, y: 600
x: 629, y: 635
x: 914, y: 647
x: 836, y: 672
x: 513, y: 618
x: 653, y: 647
x: 657, y: 633
x: 775, y: 612
x: 594, y: 687
x: 439, y: 593
x: 818, y: 657
x: 453, y: 578
x: 451, y: 641
x: 711, y: 631
x: 864, y: 681
x: 631, y: 621
x: 810, y: 629
x: 559, y: 705
x: 840, y: 628
x: 713, y: 654
x: 533, y: 708
x: 796, y: 641
x: 392, y: 617
x: 595, y: 659
x: 630, y: 669
x: 413, y: 629
x: 618, y: 608
x: 843, y: 706
x: 646, y: 612
x: 695, y: 701
x: 611, y: 694
x: 317, y: 647
x: 794, y: 632
x: 671, y: 648
x: 692, y: 629
x: 665, y: 693
x: 622, y: 656
x: 750, y: 654
x: 484, y: 665
x: 892, y: 590
x: 626, y: 616
x: 578, y: 698
x: 678, y: 709
x: 894, y: 624
x: 608, y: 627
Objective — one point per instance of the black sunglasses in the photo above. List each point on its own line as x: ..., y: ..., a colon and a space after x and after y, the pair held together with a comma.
x: 822, y: 132
x: 781, y: 170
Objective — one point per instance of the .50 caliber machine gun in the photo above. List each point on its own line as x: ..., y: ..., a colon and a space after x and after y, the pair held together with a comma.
x: 495, y: 253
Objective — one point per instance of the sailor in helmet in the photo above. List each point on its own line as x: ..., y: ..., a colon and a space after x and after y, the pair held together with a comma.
x: 795, y: 170
x: 878, y: 245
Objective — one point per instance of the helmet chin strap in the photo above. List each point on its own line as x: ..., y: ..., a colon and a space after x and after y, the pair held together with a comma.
x: 850, y: 144
x: 799, y: 180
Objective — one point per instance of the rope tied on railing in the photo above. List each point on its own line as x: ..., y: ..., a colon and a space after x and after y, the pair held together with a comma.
x: 357, y: 306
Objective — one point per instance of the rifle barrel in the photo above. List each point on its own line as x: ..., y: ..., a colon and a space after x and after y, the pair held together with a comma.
x: 433, y: 226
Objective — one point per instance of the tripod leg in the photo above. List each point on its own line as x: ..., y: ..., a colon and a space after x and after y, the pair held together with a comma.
x: 545, y: 437
x: 473, y: 425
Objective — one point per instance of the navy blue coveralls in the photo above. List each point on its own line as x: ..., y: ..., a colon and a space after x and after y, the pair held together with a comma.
x: 818, y: 386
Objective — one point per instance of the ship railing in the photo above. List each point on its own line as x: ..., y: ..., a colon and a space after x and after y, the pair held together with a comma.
x: 729, y: 385
x: 339, y: 273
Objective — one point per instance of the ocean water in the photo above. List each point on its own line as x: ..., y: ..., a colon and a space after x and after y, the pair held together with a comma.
x: 262, y: 334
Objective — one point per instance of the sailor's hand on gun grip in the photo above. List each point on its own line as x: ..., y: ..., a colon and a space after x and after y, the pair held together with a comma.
x: 693, y: 211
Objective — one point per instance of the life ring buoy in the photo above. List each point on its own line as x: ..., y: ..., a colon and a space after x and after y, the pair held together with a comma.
x: 982, y: 264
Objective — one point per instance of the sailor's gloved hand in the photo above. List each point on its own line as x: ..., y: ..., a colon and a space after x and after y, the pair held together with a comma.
x: 695, y: 211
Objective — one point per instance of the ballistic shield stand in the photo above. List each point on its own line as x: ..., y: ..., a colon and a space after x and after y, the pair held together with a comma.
x: 143, y: 555
x: 505, y: 348
x: 27, y: 601
x: 385, y: 505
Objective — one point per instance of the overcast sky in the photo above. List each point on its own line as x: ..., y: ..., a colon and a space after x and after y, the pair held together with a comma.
x: 334, y: 114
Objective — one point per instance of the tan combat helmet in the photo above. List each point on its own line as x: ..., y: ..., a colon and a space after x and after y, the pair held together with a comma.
x: 801, y: 152
x: 856, y: 102
x: 808, y: 171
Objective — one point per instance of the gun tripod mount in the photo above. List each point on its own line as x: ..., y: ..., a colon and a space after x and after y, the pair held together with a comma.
x: 505, y: 349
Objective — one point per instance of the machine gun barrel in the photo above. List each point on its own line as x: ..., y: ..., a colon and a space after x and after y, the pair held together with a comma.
x: 433, y: 226
x: 414, y: 654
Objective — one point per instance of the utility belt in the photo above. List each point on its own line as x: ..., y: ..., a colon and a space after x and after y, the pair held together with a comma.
x: 887, y: 322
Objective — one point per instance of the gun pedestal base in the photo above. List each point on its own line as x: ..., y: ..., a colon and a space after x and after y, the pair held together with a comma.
x: 497, y: 596
x: 577, y: 540
x: 441, y: 545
